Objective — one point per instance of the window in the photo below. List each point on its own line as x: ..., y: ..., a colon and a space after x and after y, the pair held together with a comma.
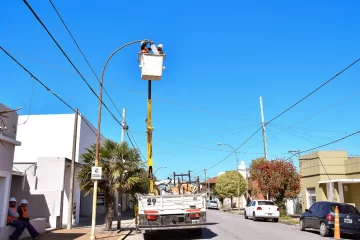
x: 345, y: 209
x: 322, y: 208
x: 253, y: 203
x: 250, y: 203
x: 314, y: 207
x: 266, y: 203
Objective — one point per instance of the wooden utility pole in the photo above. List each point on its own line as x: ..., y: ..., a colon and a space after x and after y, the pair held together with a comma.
x: 205, y: 183
x: 119, y: 194
x: 72, y: 173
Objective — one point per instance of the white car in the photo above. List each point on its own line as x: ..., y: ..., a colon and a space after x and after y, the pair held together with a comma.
x: 262, y: 209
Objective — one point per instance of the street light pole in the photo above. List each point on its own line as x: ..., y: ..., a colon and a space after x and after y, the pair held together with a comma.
x: 95, y: 190
x: 159, y: 168
x: 236, y: 169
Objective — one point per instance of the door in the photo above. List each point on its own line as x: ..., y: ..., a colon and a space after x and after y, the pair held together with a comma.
x: 310, y: 216
x: 247, y: 209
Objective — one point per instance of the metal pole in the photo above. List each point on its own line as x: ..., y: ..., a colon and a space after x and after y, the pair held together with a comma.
x: 149, y: 130
x: 205, y: 184
x: 93, y: 220
x: 119, y: 194
x: 72, y: 173
x: 263, y: 127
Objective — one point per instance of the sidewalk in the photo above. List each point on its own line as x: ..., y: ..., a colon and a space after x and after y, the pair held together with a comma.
x: 82, y: 230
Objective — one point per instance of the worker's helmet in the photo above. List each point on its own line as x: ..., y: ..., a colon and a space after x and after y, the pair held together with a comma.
x: 24, y: 201
x: 12, y: 200
x: 142, y: 42
x: 160, y: 45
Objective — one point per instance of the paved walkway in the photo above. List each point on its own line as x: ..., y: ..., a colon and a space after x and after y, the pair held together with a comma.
x: 82, y: 230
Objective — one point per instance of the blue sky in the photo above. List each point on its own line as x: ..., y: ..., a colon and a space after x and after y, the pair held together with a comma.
x: 220, y: 58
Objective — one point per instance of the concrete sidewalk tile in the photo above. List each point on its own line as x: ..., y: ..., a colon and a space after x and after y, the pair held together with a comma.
x: 83, y: 234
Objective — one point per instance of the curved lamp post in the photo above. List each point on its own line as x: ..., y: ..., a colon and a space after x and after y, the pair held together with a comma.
x: 237, y: 165
x: 159, y: 168
x: 93, y: 222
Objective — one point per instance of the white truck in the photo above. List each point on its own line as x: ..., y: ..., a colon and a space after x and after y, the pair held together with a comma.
x: 165, y: 212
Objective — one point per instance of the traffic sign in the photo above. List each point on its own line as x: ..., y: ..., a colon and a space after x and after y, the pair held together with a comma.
x: 96, y: 173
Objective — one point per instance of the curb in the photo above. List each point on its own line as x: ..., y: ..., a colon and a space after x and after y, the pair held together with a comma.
x: 124, y: 237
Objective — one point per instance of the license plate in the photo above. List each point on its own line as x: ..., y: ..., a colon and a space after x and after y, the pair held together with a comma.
x: 195, y: 221
x: 270, y: 214
x: 347, y: 220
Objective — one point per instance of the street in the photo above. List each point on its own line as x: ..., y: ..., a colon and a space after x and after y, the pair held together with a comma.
x: 231, y: 226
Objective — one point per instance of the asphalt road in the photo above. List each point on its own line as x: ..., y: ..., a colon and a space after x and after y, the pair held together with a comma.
x: 228, y: 226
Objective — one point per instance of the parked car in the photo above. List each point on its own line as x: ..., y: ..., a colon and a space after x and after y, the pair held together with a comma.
x: 321, y: 216
x: 262, y: 209
x: 212, y: 204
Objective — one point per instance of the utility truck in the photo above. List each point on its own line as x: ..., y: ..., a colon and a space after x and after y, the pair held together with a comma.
x: 180, y: 207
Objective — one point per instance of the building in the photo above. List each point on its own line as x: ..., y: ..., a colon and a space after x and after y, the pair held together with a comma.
x: 42, y: 165
x: 208, y: 188
x: 8, y: 142
x: 330, y: 176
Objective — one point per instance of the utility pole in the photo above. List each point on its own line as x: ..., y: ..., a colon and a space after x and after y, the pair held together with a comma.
x: 119, y: 194
x: 263, y: 127
x: 72, y: 173
x: 205, y: 184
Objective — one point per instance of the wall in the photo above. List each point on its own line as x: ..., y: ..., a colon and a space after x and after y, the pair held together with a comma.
x: 7, y: 148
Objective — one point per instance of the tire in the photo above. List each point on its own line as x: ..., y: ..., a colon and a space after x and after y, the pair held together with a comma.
x: 195, y: 232
x: 147, y: 236
x: 302, y: 225
x: 246, y: 217
x: 324, y: 231
x: 254, y: 217
x: 275, y: 220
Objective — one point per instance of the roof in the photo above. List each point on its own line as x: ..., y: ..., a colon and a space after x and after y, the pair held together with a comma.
x: 211, y: 180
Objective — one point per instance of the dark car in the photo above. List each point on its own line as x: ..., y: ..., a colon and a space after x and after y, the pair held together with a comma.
x: 321, y: 215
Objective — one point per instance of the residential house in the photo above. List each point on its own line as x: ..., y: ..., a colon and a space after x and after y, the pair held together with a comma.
x: 330, y: 176
x: 43, y: 165
x: 8, y: 142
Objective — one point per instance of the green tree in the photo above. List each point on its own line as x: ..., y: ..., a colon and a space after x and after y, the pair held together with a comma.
x: 278, y: 178
x: 121, y: 168
x: 230, y: 184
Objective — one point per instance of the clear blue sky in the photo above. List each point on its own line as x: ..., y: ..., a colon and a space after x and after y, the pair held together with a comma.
x: 221, y: 56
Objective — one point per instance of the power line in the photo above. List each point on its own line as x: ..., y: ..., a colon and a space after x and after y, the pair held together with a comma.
x: 61, y: 49
x: 92, y: 69
x: 292, y: 106
x: 46, y: 87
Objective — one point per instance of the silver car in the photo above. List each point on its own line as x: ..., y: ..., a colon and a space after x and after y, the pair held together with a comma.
x: 212, y: 204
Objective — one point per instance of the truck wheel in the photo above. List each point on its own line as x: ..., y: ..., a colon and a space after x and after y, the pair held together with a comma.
x: 147, y: 236
x: 196, y: 232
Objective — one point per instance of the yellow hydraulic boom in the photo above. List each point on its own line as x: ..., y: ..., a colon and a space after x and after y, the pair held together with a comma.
x: 149, y: 131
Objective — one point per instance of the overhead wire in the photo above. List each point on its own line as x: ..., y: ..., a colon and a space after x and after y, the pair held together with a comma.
x: 61, y: 49
x: 31, y: 101
x: 292, y: 106
x: 46, y: 87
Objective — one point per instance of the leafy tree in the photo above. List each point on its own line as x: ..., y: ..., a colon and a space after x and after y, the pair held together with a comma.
x: 227, y: 185
x: 121, y: 171
x: 278, y: 178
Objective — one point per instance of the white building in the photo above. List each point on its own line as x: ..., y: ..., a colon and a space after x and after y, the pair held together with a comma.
x: 8, y: 127
x: 42, y: 165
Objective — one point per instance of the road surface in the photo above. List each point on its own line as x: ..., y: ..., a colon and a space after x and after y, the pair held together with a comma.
x: 228, y: 226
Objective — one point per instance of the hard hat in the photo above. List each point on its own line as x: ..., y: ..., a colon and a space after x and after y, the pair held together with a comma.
x: 24, y: 201
x: 12, y: 200
x: 142, y: 42
x: 160, y: 46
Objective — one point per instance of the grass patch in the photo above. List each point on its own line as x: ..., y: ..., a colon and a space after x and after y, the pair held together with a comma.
x: 289, y: 220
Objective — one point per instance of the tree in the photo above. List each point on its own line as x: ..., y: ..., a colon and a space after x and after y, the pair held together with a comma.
x: 120, y: 168
x: 278, y: 178
x: 227, y: 185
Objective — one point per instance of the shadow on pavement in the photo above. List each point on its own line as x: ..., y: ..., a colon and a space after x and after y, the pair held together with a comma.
x: 343, y: 236
x: 182, y: 234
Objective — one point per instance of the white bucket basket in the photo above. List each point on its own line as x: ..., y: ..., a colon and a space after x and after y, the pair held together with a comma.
x: 151, y: 66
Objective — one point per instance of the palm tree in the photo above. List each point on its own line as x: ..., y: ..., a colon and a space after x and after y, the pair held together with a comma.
x: 121, y: 168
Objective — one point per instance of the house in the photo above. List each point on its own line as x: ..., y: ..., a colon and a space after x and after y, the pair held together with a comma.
x: 8, y: 142
x: 330, y: 176
x: 42, y: 166
x: 208, y: 188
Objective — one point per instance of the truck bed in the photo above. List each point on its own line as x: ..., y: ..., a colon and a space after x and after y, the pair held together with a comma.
x: 171, y: 211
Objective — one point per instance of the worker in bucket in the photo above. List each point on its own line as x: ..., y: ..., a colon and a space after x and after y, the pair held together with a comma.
x: 144, y: 48
x: 24, y: 217
x: 160, y: 48
x: 12, y: 220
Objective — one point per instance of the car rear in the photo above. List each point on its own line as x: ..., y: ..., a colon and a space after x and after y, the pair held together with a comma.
x: 349, y: 218
x: 267, y: 209
x: 213, y: 204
